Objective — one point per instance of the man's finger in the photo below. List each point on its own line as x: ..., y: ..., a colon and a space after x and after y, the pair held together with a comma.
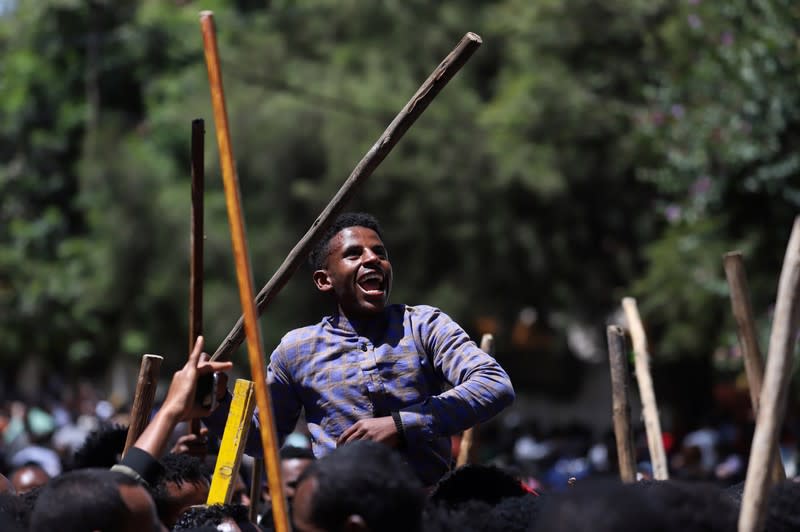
x: 194, y: 356
x: 346, y: 434
x: 212, y: 367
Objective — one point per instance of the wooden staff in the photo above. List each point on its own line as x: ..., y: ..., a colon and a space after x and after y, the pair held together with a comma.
x: 748, y: 341
x: 652, y: 424
x: 231, y: 447
x: 620, y: 399
x: 468, y: 438
x: 449, y: 66
x: 244, y: 276
x: 196, y: 244
x: 146, y: 386
x: 255, y: 489
x: 782, y: 342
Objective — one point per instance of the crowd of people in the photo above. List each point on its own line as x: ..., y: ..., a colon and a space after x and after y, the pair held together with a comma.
x: 384, y: 393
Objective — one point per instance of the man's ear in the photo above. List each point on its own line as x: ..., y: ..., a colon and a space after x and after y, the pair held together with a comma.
x: 355, y: 523
x: 322, y: 281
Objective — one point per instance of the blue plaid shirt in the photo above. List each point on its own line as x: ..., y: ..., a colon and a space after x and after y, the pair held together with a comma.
x: 340, y: 371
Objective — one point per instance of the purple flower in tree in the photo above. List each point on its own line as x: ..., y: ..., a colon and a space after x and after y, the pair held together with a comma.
x: 677, y: 110
x: 694, y: 21
x: 726, y: 39
x: 657, y: 117
x: 701, y: 186
x: 672, y: 213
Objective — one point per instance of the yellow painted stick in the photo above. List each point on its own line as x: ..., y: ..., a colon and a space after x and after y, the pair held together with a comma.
x: 233, y: 441
x: 244, y: 276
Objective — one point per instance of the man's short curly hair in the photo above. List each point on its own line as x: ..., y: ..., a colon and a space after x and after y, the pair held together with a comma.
x: 319, y: 254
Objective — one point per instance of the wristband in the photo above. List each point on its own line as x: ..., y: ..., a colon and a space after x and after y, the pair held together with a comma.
x: 401, y: 431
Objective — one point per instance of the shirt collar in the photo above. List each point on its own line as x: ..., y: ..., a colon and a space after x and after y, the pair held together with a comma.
x: 369, y: 327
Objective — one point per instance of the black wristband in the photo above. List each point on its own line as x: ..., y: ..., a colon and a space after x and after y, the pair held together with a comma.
x: 401, y: 431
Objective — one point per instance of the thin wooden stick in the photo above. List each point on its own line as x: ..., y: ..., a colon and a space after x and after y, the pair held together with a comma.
x: 748, y: 341
x: 782, y: 342
x: 196, y: 243
x: 449, y: 66
x: 255, y: 488
x: 652, y: 424
x: 620, y: 399
x: 468, y: 438
x: 244, y: 276
x: 231, y: 447
x: 146, y: 386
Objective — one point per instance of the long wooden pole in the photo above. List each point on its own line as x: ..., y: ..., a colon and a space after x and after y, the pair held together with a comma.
x: 196, y: 238
x: 652, y: 424
x: 468, y: 438
x: 782, y: 343
x: 620, y: 402
x: 244, y: 275
x: 146, y: 386
x: 449, y: 66
x: 255, y: 489
x: 748, y: 341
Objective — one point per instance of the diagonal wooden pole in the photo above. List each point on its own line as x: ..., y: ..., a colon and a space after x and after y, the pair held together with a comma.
x: 652, y: 424
x: 748, y: 341
x: 448, y: 68
x: 196, y: 238
x: 244, y: 275
x: 146, y: 385
x: 620, y: 402
x: 782, y: 344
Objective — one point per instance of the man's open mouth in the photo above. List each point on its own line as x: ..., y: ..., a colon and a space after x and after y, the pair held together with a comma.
x: 372, y: 283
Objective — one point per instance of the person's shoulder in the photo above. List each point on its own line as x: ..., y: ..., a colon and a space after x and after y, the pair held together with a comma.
x: 294, y: 339
x: 423, y: 312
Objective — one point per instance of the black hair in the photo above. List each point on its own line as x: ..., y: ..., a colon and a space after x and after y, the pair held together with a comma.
x: 368, y: 479
x: 319, y: 253
x: 485, y: 483
x: 200, y: 516
x: 289, y: 452
x: 512, y: 514
x: 783, y: 510
x: 101, y: 448
x: 87, y: 499
x: 177, y: 469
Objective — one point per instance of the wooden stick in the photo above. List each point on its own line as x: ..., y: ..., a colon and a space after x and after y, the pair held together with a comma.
x: 255, y: 488
x: 231, y: 447
x: 449, y: 66
x: 652, y: 424
x: 146, y: 386
x: 620, y: 399
x: 244, y: 276
x: 782, y: 342
x: 748, y: 341
x: 196, y: 243
x: 468, y: 438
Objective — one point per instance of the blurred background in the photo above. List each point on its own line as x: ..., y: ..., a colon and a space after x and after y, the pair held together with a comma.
x: 588, y: 151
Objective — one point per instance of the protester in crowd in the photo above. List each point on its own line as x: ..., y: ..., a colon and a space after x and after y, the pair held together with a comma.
x: 184, y: 482
x: 102, y: 448
x: 362, y: 486
x: 29, y: 477
x: 485, y: 483
x: 374, y: 371
x: 783, y: 511
x: 294, y: 461
x: 227, y: 517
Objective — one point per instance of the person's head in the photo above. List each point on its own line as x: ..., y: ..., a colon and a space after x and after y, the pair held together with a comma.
x: 351, y: 263
x: 94, y: 499
x: 183, y: 483
x: 783, y: 512
x: 29, y: 477
x: 102, y: 448
x: 228, y: 517
x: 294, y: 461
x: 485, y: 483
x: 362, y: 486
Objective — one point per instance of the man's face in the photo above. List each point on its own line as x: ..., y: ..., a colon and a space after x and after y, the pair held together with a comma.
x: 291, y: 469
x: 357, y: 271
x: 29, y: 477
x: 184, y: 496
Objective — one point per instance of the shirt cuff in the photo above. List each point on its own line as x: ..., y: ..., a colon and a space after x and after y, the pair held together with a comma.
x: 140, y: 465
x: 417, y: 424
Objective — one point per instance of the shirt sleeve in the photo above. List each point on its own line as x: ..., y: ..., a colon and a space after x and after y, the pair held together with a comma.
x: 285, y: 405
x: 481, y: 388
x: 140, y: 465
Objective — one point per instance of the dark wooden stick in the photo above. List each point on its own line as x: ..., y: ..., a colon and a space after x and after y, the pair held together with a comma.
x: 782, y: 342
x: 468, y: 438
x: 196, y: 243
x: 255, y: 488
x: 652, y: 424
x: 620, y: 399
x: 376, y: 154
x: 244, y: 276
x: 146, y: 386
x: 748, y: 341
